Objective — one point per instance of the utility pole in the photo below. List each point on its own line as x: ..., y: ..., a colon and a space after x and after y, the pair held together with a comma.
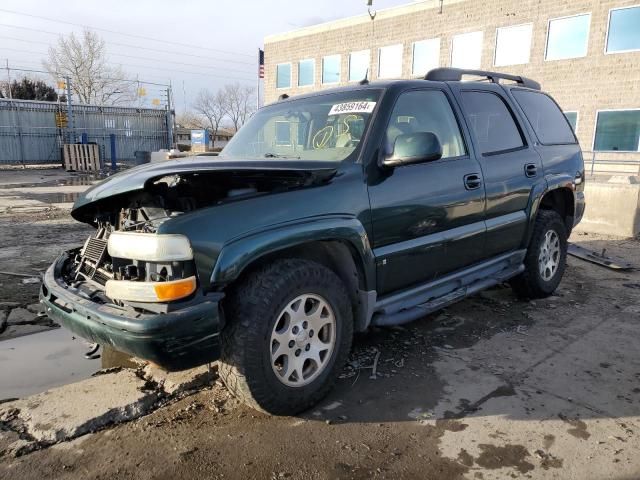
x: 9, y: 80
x: 170, y: 119
x: 71, y: 125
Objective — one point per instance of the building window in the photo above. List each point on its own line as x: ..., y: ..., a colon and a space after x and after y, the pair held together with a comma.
x: 359, y: 65
x: 331, y: 69
x: 513, y: 45
x: 624, y: 30
x: 617, y: 130
x: 545, y: 117
x: 568, y: 37
x: 283, y: 75
x: 466, y: 50
x: 572, y: 118
x: 306, y: 72
x: 390, y: 61
x: 492, y: 123
x: 426, y: 56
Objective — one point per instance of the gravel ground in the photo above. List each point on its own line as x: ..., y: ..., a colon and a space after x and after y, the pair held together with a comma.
x: 490, y: 388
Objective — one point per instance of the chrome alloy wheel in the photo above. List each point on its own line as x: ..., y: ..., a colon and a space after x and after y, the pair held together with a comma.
x: 549, y: 257
x: 303, y: 340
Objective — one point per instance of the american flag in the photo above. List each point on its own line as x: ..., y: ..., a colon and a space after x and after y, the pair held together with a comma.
x: 260, y: 63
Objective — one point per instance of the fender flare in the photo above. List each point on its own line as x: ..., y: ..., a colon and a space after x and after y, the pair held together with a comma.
x: 240, y: 253
x: 551, y: 183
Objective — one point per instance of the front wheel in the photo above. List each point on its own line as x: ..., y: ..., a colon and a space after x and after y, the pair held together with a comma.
x: 289, y: 333
x: 546, y: 258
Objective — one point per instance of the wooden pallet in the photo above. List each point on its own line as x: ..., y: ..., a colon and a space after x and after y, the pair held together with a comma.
x: 81, y: 158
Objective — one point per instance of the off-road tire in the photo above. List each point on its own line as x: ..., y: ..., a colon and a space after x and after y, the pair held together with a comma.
x: 530, y: 283
x: 251, y: 312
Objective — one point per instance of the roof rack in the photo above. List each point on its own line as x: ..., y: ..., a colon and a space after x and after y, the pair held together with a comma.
x: 455, y: 75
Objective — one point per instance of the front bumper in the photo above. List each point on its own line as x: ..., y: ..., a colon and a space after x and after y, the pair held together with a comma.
x: 177, y: 340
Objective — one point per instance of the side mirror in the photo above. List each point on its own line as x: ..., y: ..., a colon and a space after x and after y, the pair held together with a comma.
x: 410, y: 148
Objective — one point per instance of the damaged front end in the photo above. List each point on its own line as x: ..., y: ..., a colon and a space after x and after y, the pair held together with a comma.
x: 137, y: 289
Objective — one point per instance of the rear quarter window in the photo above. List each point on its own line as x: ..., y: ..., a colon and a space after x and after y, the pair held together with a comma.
x: 546, y: 118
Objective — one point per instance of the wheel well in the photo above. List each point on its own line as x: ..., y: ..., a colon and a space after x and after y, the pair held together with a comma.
x: 337, y: 256
x: 561, y: 200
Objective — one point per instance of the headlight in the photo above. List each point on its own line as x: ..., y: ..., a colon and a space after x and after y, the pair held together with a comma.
x: 150, y: 291
x: 149, y: 247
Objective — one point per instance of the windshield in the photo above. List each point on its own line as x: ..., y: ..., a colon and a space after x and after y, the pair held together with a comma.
x: 323, y: 127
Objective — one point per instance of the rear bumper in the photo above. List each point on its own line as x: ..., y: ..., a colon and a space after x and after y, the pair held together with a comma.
x: 176, y: 340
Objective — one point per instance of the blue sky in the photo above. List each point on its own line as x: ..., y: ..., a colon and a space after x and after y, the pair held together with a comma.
x: 206, y: 43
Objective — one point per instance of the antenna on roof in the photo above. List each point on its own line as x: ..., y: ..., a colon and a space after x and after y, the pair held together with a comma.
x: 365, y: 80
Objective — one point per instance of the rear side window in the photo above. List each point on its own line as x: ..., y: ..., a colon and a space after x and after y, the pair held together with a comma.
x: 547, y: 120
x: 492, y: 123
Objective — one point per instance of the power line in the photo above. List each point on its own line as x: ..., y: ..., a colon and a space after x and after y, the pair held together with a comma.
x: 35, y: 69
x: 138, y: 47
x: 134, y: 57
x: 125, y: 34
x: 207, y: 75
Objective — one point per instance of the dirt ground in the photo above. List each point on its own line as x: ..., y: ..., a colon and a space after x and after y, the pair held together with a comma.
x: 490, y: 388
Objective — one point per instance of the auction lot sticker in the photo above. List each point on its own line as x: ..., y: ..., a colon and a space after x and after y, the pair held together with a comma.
x: 352, y: 107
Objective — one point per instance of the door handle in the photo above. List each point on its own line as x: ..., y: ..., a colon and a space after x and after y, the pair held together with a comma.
x: 472, y: 181
x: 531, y: 170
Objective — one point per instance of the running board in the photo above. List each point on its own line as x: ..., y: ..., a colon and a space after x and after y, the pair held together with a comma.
x: 436, y: 295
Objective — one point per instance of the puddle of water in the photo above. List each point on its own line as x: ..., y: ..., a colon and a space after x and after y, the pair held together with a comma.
x: 34, y: 363
x: 68, y: 197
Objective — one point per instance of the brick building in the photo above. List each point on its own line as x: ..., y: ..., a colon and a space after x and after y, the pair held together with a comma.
x: 586, y: 53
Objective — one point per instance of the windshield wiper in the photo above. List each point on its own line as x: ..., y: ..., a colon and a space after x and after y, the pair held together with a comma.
x: 275, y: 155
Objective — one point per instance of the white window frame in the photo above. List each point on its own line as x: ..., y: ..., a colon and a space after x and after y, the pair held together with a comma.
x: 401, y: 45
x: 368, y: 51
x: 546, y: 44
x: 595, y: 127
x: 413, y: 54
x: 577, y: 112
x: 495, y: 50
x: 465, y: 33
x: 606, y: 38
x: 290, y: 75
x: 313, y: 76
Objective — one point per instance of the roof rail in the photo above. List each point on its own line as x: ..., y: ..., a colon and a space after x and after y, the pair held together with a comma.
x: 455, y: 75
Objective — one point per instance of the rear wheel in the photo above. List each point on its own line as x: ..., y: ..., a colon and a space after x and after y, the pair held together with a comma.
x: 546, y: 257
x: 289, y: 333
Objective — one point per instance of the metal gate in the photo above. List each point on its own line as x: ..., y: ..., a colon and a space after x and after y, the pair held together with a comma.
x: 33, y: 132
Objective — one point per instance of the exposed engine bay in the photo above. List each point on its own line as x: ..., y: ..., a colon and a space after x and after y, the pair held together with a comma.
x: 144, y: 211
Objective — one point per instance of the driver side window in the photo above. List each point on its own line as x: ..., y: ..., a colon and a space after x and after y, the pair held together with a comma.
x: 426, y: 111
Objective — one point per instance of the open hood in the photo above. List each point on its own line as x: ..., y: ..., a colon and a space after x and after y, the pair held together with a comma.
x: 137, y: 179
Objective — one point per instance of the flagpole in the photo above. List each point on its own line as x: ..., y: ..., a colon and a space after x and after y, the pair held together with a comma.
x: 258, y: 84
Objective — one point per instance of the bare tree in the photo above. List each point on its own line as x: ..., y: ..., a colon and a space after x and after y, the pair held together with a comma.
x: 211, y: 107
x: 84, y: 61
x: 239, y: 102
x: 190, y: 119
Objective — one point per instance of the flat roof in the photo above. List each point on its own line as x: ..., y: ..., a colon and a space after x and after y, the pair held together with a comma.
x: 381, y: 14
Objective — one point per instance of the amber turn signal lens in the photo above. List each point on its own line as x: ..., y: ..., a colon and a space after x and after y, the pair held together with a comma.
x: 167, y: 291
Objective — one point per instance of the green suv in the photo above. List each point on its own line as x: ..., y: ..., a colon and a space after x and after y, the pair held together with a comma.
x: 372, y: 204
